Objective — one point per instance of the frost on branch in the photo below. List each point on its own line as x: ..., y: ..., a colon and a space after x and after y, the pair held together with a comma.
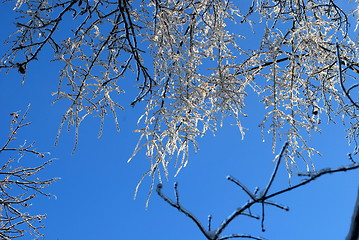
x: 96, y: 45
x: 184, y: 103
x: 203, y: 74
x: 203, y: 60
x: 20, y: 183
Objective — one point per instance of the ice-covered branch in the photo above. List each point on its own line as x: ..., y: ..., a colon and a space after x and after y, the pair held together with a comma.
x: 19, y: 184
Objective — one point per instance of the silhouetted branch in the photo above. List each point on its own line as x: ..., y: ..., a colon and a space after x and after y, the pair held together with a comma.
x: 340, y: 73
x: 241, y: 236
x: 354, y: 227
x: 275, y: 169
x: 181, y: 209
x: 262, y: 198
x: 209, y: 222
x: 315, y: 175
x: 244, y: 188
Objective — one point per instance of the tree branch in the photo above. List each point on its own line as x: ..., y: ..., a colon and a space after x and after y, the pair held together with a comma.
x: 261, y: 199
x: 354, y: 228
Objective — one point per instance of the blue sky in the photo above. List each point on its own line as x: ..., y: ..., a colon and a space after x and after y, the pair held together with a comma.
x: 95, y: 194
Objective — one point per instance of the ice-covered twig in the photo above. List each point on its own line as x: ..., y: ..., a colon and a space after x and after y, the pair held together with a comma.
x: 285, y: 208
x: 20, y: 182
x: 244, y: 188
x: 250, y: 215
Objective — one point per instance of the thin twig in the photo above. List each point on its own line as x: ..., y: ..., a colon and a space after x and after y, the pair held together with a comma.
x: 340, y: 73
x: 181, y: 209
x: 244, y: 188
x: 275, y: 169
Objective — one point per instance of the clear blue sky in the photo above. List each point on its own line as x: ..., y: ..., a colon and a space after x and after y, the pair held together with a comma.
x: 95, y: 193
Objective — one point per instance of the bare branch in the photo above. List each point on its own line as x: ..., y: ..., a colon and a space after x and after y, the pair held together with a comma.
x: 181, y: 209
x: 263, y: 199
x: 241, y: 236
x: 284, y: 148
x: 244, y: 188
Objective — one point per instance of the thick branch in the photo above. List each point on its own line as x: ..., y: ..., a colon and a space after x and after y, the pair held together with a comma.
x: 354, y: 228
